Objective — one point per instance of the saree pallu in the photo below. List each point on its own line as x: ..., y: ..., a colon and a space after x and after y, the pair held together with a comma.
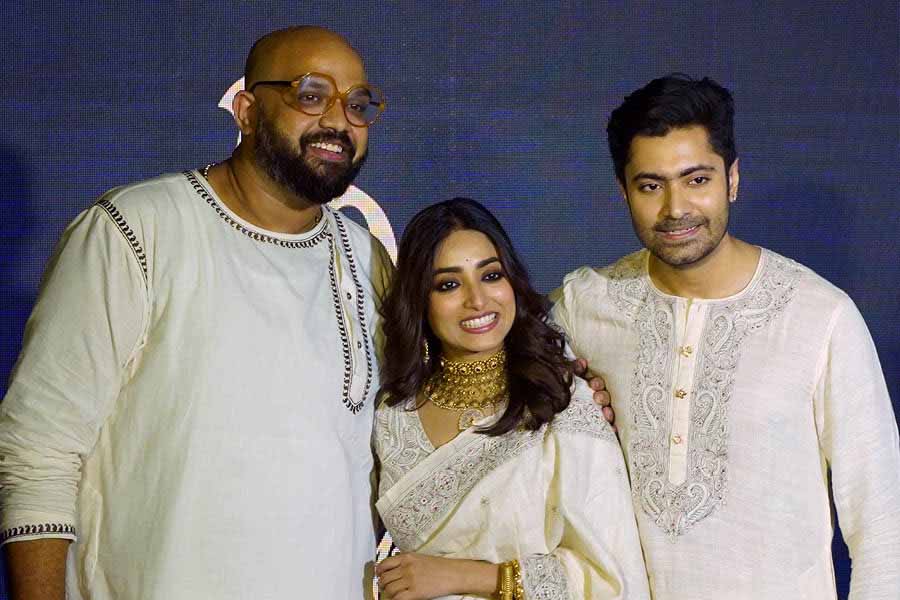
x: 557, y: 499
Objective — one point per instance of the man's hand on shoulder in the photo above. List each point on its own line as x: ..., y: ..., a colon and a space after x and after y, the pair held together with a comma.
x: 598, y: 385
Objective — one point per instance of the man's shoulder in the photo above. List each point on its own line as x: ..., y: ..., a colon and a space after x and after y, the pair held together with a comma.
x: 354, y: 230
x: 371, y: 252
x: 630, y: 266
x: 591, y: 281
x: 149, y: 196
x: 810, y: 286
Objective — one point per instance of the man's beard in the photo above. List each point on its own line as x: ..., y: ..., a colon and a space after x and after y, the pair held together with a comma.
x: 710, y: 235
x: 286, y: 166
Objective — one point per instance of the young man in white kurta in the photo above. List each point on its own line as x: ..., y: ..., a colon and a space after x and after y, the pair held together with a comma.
x: 730, y: 412
x: 738, y: 376
x: 218, y: 379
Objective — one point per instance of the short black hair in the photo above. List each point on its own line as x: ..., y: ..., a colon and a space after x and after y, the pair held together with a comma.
x: 672, y: 102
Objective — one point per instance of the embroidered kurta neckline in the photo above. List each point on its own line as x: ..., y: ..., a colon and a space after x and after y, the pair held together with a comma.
x: 682, y: 384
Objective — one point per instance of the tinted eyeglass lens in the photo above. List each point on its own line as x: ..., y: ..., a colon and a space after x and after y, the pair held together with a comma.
x: 363, y: 105
x: 314, y: 94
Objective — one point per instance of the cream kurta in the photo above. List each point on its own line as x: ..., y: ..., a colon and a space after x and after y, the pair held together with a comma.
x: 194, y: 399
x: 556, y: 499
x: 730, y: 413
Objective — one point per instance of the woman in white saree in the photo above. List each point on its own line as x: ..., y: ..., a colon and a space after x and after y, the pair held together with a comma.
x: 499, y: 477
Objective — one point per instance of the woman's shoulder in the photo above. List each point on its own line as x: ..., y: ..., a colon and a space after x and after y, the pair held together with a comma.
x: 583, y: 416
x: 385, y: 413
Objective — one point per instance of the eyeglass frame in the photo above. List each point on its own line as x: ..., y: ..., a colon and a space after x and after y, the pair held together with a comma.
x: 295, y: 83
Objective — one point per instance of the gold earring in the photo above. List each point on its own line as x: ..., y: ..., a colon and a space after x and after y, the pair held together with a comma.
x: 427, y: 356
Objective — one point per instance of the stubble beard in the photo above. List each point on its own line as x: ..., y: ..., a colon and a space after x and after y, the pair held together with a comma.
x: 317, y: 182
x: 684, y: 254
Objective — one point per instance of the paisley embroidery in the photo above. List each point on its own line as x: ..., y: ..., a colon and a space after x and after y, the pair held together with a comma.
x: 583, y: 416
x: 544, y: 578
x: 677, y: 507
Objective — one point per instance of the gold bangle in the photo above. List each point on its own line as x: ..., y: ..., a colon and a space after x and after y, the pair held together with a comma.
x: 519, y: 591
x: 506, y: 588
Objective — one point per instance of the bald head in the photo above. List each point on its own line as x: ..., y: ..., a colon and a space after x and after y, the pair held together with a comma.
x: 274, y: 55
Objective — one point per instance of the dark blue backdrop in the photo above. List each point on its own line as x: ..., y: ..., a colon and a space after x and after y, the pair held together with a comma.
x: 505, y: 102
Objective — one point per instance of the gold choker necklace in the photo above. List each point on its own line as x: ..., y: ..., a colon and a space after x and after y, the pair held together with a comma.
x: 469, y: 387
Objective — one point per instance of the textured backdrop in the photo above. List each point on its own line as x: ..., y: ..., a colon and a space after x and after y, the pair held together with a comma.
x: 505, y: 102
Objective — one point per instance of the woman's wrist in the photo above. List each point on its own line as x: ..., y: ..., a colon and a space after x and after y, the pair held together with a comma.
x: 478, y: 577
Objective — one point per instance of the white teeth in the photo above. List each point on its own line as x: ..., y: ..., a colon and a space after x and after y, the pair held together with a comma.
x: 479, y: 322
x: 330, y: 147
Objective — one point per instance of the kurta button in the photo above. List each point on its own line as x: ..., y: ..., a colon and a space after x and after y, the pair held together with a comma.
x: 349, y: 296
x: 686, y: 351
x: 680, y: 394
x: 676, y: 439
x: 359, y: 345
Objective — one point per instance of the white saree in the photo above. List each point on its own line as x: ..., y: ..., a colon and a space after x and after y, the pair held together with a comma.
x: 557, y: 499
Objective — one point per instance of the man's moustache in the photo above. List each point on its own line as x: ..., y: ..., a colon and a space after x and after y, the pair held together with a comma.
x: 669, y: 225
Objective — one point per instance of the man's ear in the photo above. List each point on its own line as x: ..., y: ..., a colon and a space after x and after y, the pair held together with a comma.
x: 243, y: 107
x: 622, y: 191
x: 734, y: 180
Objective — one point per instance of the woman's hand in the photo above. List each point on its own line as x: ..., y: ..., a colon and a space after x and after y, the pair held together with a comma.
x: 410, y: 576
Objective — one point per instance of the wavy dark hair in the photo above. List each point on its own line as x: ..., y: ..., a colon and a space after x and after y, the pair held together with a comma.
x: 539, y: 375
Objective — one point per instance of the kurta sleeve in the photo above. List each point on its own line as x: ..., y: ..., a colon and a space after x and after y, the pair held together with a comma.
x: 85, y: 328
x: 561, y: 311
x: 598, y: 555
x: 383, y: 274
x: 858, y: 435
x: 565, y: 308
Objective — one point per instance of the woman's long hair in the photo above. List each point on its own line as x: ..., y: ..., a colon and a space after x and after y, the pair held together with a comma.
x: 539, y: 376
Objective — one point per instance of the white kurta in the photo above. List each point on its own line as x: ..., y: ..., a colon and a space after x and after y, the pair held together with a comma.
x: 556, y: 499
x: 730, y: 413
x: 194, y: 400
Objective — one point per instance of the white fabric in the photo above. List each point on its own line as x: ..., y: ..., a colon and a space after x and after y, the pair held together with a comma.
x: 556, y: 499
x: 730, y: 412
x: 180, y: 401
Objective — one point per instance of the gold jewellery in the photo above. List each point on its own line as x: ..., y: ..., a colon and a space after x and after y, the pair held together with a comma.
x: 470, y: 388
x: 510, y: 582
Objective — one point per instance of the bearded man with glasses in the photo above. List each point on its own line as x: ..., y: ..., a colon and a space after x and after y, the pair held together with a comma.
x: 193, y: 403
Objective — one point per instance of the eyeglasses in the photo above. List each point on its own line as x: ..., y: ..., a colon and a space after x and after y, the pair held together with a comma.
x: 315, y: 93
